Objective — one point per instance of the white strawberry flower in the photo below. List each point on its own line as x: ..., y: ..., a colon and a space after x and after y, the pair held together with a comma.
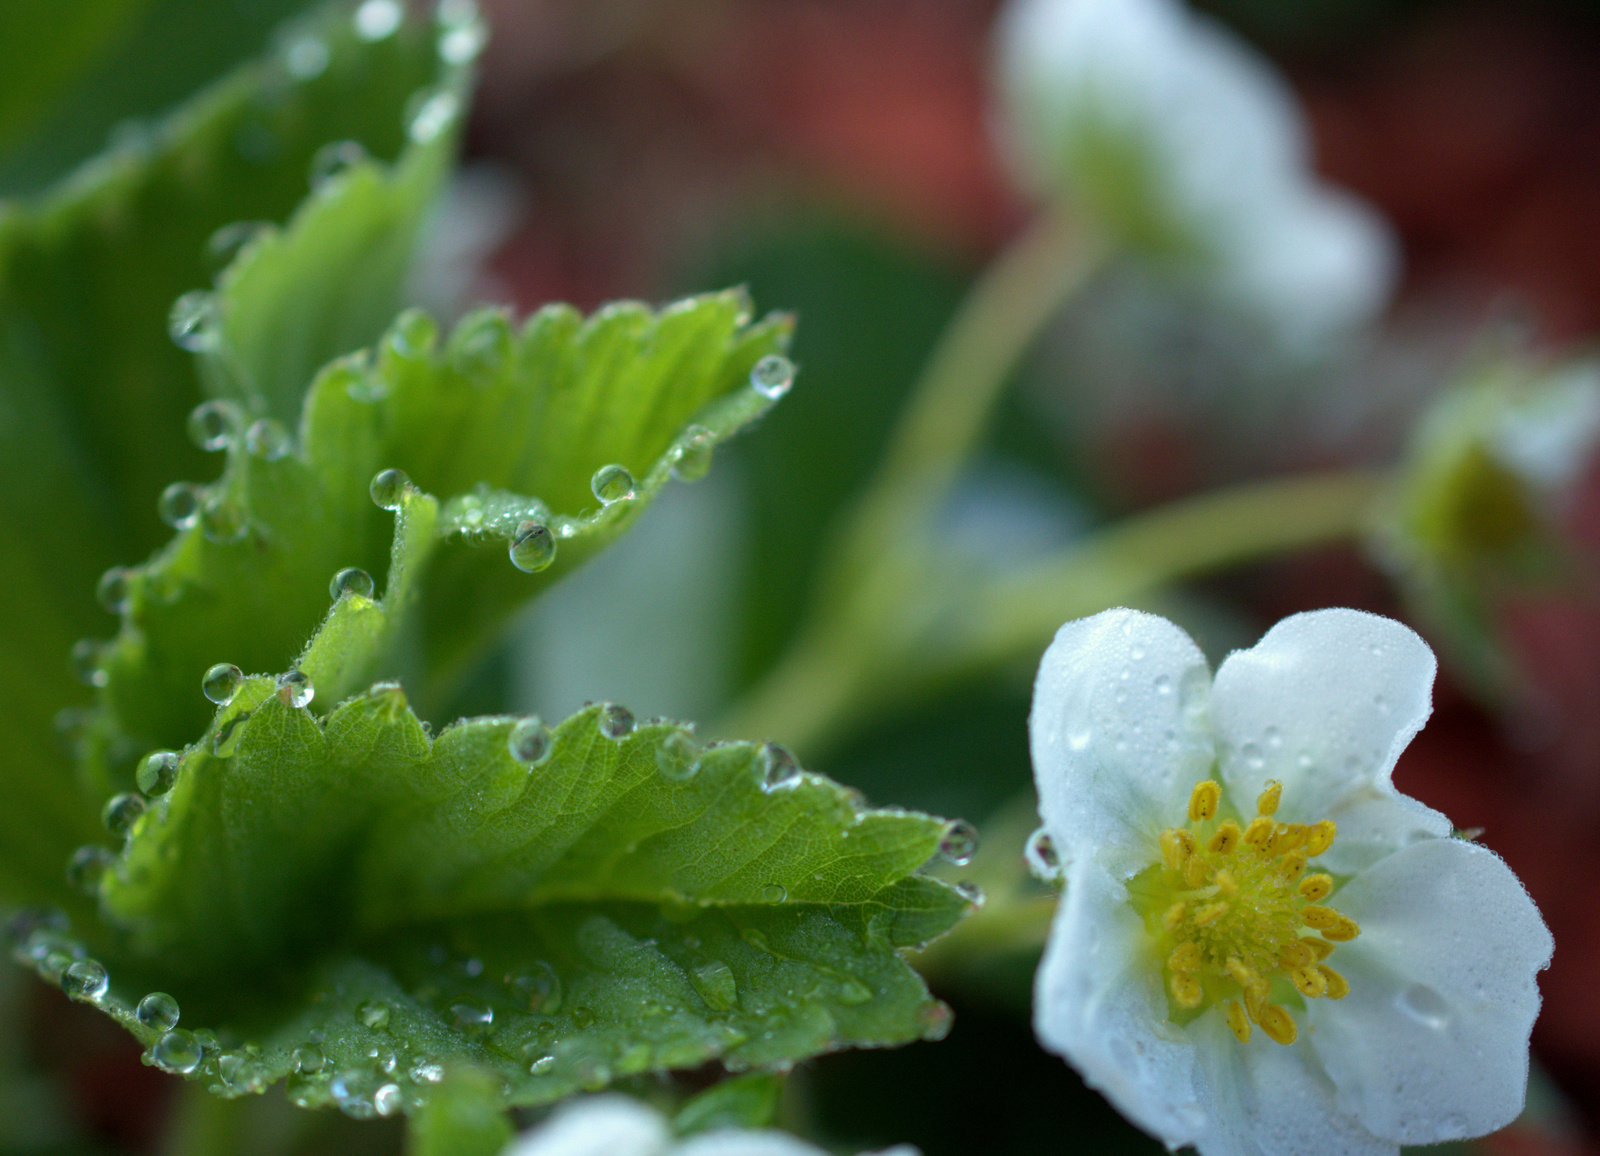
x: 1263, y: 947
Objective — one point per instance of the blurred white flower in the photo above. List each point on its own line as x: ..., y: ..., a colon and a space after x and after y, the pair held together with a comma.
x: 614, y: 1125
x: 1219, y: 839
x: 1180, y: 140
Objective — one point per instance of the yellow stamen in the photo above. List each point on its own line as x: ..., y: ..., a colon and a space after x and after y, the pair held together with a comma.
x: 1186, y: 991
x: 1267, y: 801
x: 1321, y: 948
x: 1172, y: 918
x: 1176, y: 847
x: 1225, y: 880
x: 1343, y: 931
x: 1296, y: 955
x: 1277, y: 1024
x: 1287, y: 838
x: 1226, y: 838
x: 1255, y: 999
x: 1209, y: 914
x: 1240, y: 972
x: 1185, y: 958
x: 1338, y: 986
x: 1291, y: 863
x: 1195, y: 872
x: 1259, y: 833
x: 1322, y: 918
x: 1203, y: 800
x: 1237, y: 1021
x: 1316, y: 887
x: 1320, y: 837
x: 1308, y: 981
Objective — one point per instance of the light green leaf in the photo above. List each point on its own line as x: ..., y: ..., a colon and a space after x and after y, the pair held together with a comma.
x: 747, y: 1101
x: 93, y: 392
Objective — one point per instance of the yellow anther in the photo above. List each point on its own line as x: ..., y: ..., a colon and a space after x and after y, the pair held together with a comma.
x: 1316, y: 887
x: 1195, y: 872
x: 1291, y: 863
x: 1338, y: 986
x: 1225, y: 880
x: 1259, y: 833
x: 1320, y: 837
x: 1186, y: 990
x: 1226, y: 838
x: 1342, y: 931
x: 1267, y: 801
x: 1203, y: 800
x: 1322, y: 918
x: 1176, y: 847
x: 1297, y: 954
x: 1321, y: 948
x: 1210, y: 913
x: 1238, y: 1021
x: 1309, y: 982
x: 1255, y: 999
x: 1240, y: 972
x: 1278, y: 1024
x: 1172, y: 917
x: 1286, y: 838
x: 1185, y: 958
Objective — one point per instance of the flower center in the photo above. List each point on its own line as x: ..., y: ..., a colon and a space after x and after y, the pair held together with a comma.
x: 1236, y: 918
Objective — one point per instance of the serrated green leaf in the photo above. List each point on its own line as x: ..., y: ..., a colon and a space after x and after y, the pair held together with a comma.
x: 410, y: 905
x: 92, y: 391
x: 747, y: 1101
x: 507, y: 426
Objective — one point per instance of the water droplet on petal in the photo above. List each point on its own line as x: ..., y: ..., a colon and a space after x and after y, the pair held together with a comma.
x: 376, y: 19
x: 122, y: 812
x: 333, y: 160
x: 471, y: 1015
x: 678, y: 756
x: 351, y: 580
x: 692, y: 458
x: 612, y: 483
x: 772, y: 376
x: 959, y: 844
x: 436, y: 114
x: 1252, y: 756
x: 774, y: 893
x: 1163, y: 684
x: 778, y: 767
x: 529, y: 741
x: 87, y: 657
x: 192, y: 323
x: 179, y: 505
x: 158, y: 1011
x: 533, y: 548
x: 87, y: 867
x: 177, y: 1051
x: 1043, y: 860
x: 388, y: 489
x: 294, y: 688
x: 85, y: 980
x: 1425, y: 1006
x: 114, y: 589
x: 308, y: 1058
x: 537, y: 987
x: 305, y: 58
x: 268, y: 440
x: 158, y: 772
x: 716, y: 985
x: 615, y: 721
x: 221, y: 683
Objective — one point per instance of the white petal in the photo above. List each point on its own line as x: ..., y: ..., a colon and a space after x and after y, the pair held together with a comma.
x: 1118, y: 735
x: 1325, y: 703
x: 1431, y: 1043
x: 1098, y: 1002
x: 598, y: 1126
x: 1270, y: 1100
x: 746, y: 1142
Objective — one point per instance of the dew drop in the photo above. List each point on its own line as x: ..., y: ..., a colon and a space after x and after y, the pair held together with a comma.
x: 294, y: 688
x: 308, y: 1058
x: 268, y: 440
x: 192, y: 322
x: 157, y: 773
x: 333, y: 160
x: 959, y: 844
x: 529, y: 741
x: 114, y: 589
x: 157, y: 1011
x: 471, y: 1015
x: 971, y: 892
x: 221, y: 683
x: 121, y: 812
x: 228, y: 734
x: 177, y: 1051
x: 1274, y: 737
x: 612, y: 483
x: 778, y: 767
x: 306, y: 58
x: 87, y: 657
x: 436, y: 114
x: 462, y: 45
x: 1163, y: 684
x: 413, y: 334
x: 351, y: 1092
x: 374, y: 1014
x: 935, y: 1019
x: 716, y: 985
x: 537, y: 987
x: 615, y: 721
x: 229, y: 241
x: 382, y: 1058
x: 692, y: 459
x: 211, y: 425
x: 425, y: 1071
x: 774, y: 893
x: 542, y: 1066
x: 533, y: 548
x: 1424, y: 1005
x: 387, y: 1100
x: 678, y: 757
x: 1252, y: 756
x: 1043, y: 859
x: 772, y: 376
x: 388, y: 489
x: 351, y: 580
x: 179, y: 505
x: 376, y: 19
x: 87, y: 867
x: 222, y: 520
x: 85, y: 980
